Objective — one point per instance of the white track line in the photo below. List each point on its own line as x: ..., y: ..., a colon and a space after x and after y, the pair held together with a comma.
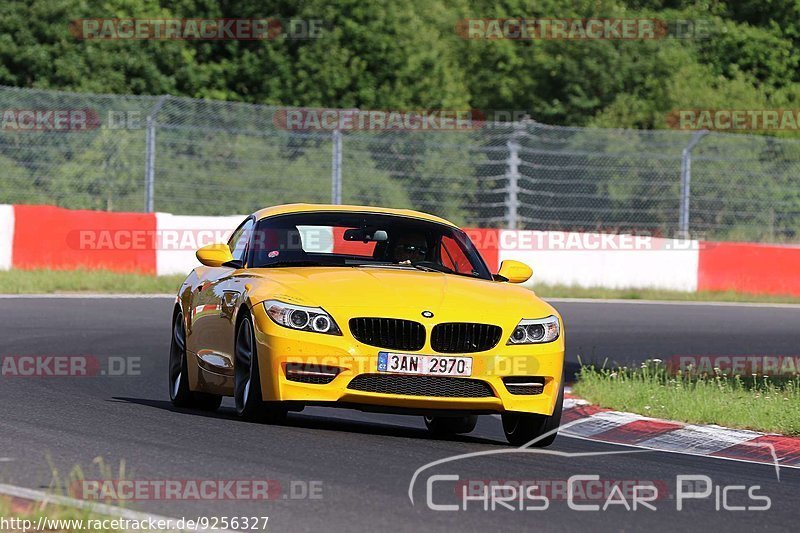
x: 569, y: 403
x: 704, y: 440
x: 677, y: 452
x: 99, y: 508
x: 601, y: 422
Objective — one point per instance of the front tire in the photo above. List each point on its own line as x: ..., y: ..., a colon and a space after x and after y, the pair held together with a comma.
x: 247, y: 379
x: 521, y: 428
x: 444, y: 426
x: 179, y: 393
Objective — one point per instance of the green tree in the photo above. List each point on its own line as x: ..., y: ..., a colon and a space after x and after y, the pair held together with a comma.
x: 107, y: 175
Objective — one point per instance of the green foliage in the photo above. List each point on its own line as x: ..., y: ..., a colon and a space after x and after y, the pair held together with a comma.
x: 243, y: 172
x: 18, y: 185
x: 383, y: 54
x: 400, y: 55
x: 86, y: 177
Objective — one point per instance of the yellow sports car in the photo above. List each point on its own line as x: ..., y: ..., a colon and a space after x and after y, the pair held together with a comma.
x: 371, y: 308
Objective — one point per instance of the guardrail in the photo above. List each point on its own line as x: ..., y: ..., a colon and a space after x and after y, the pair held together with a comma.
x: 48, y: 237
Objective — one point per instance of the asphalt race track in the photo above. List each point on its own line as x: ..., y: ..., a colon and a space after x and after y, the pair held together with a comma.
x: 358, y: 465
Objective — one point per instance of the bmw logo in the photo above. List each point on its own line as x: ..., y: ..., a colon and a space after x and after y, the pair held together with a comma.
x: 427, y: 314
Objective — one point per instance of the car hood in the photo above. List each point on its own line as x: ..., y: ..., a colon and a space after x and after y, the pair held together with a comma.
x: 395, y: 292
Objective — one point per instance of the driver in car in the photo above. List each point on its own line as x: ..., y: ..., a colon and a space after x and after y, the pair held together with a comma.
x: 409, y: 247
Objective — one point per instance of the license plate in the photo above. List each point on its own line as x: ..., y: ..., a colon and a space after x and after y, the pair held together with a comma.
x: 428, y: 365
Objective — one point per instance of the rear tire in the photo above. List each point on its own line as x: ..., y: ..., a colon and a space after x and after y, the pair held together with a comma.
x: 521, y: 428
x: 179, y: 393
x: 250, y: 405
x: 444, y: 426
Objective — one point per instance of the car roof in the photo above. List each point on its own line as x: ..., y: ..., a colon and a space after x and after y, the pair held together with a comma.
x: 317, y: 208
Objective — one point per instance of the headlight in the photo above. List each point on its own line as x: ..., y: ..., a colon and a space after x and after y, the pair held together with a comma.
x: 535, y: 331
x: 301, y: 318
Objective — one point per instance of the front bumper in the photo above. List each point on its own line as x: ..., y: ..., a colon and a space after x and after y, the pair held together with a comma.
x: 279, y: 346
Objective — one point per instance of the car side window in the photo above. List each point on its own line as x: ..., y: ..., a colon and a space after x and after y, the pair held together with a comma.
x: 452, y: 256
x: 239, y: 240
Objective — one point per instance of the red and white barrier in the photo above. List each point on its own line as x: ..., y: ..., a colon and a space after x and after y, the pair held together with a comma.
x: 65, y: 239
x: 180, y: 236
x: 749, y: 268
x: 611, y: 261
x: 51, y: 237
x: 6, y: 235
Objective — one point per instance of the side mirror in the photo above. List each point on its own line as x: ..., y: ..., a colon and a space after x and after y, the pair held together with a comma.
x: 514, y: 272
x: 214, y: 255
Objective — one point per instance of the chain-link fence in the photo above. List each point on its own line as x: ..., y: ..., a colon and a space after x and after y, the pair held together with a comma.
x: 185, y: 156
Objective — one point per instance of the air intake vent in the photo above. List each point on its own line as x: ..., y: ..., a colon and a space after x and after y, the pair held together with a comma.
x: 392, y: 333
x: 464, y: 337
x: 524, y: 385
x: 313, y: 374
x: 443, y: 387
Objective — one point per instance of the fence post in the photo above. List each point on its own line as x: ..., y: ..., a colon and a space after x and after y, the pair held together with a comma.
x: 512, y: 174
x: 336, y: 169
x: 150, y: 155
x: 686, y: 183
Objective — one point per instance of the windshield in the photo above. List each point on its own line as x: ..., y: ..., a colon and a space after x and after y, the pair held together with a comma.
x: 358, y: 239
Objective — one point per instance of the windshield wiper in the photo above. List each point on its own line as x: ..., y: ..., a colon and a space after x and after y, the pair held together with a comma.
x: 425, y: 266
x: 358, y: 263
x: 430, y: 266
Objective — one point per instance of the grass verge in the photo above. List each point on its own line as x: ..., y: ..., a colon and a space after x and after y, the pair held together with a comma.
x: 53, y: 518
x: 563, y: 291
x: 103, y: 281
x: 58, y: 281
x: 759, y: 403
x: 18, y: 514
